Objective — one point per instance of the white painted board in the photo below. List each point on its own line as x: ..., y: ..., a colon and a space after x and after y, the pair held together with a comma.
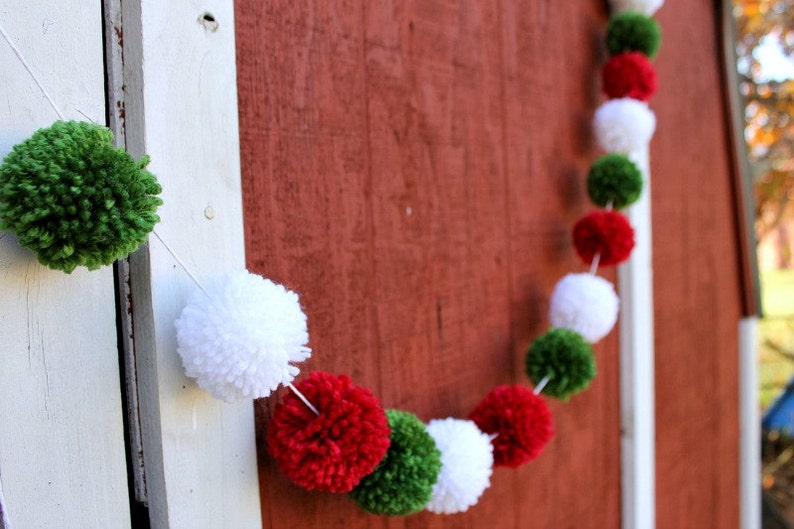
x: 749, y: 426
x: 62, y: 460
x: 180, y: 103
x: 637, y: 398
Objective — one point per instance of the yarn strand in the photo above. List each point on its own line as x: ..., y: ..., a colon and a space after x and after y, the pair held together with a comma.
x: 594, y: 263
x: 30, y: 72
x: 303, y: 398
x: 597, y: 257
x: 542, y: 384
x: 180, y: 263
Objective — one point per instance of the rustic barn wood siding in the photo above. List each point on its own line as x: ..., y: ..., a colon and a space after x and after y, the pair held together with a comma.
x: 697, y: 278
x: 413, y: 170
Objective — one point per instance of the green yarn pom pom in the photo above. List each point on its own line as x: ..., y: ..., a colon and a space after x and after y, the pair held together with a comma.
x: 403, y: 482
x: 615, y: 179
x: 76, y: 200
x: 631, y: 31
x: 566, y: 358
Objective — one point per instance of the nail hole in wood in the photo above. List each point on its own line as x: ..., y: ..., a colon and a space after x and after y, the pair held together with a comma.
x: 208, y: 22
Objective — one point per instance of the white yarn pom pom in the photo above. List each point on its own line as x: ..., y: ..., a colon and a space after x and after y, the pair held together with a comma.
x: 239, y: 338
x: 646, y: 7
x: 466, y: 465
x: 584, y: 303
x: 623, y: 125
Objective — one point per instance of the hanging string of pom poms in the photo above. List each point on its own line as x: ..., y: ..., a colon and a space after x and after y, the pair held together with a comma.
x: 76, y: 200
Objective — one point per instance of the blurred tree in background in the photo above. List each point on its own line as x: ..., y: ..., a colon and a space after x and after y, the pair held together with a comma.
x: 764, y: 46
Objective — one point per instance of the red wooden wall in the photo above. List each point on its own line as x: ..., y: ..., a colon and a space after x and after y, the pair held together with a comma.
x: 697, y: 278
x: 413, y: 170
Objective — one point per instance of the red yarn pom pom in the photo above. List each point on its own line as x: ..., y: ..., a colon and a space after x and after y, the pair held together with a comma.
x: 607, y: 233
x: 521, y: 421
x: 334, y: 450
x: 630, y: 74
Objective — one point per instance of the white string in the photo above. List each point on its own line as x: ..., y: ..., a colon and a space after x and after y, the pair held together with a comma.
x: 181, y: 264
x: 542, y: 384
x: 303, y: 398
x: 30, y: 71
x: 594, y: 263
x: 295, y: 390
x: 86, y: 116
x: 597, y: 257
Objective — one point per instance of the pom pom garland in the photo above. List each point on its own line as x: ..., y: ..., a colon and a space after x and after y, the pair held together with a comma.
x: 584, y: 303
x: 466, y: 465
x: 240, y: 338
x: 606, y: 234
x: 614, y: 180
x: 646, y: 7
x: 623, y: 125
x: 403, y: 482
x: 75, y: 199
x: 331, y: 451
x: 563, y: 356
x: 629, y: 74
x: 520, y: 420
x: 632, y: 31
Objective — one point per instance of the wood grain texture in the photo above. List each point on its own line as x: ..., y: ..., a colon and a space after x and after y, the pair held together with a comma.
x: 61, y: 433
x: 697, y: 279
x: 414, y: 169
x: 180, y: 108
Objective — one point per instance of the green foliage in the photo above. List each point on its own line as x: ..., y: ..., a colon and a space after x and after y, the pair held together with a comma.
x: 615, y: 179
x: 76, y: 200
x: 566, y: 358
x: 403, y: 482
x: 632, y: 31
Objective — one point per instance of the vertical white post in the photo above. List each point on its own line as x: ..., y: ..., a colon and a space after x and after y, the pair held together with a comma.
x: 180, y: 101
x: 749, y: 426
x: 637, y: 414
x: 61, y: 434
x: 749, y: 413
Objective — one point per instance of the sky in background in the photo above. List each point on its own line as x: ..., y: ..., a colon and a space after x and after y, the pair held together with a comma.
x: 775, y: 64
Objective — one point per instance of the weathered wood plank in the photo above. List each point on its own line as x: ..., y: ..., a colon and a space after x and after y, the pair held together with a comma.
x: 61, y: 439
x: 181, y: 108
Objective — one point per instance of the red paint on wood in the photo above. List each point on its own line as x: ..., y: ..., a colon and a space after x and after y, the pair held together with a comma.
x: 697, y: 279
x: 414, y: 169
